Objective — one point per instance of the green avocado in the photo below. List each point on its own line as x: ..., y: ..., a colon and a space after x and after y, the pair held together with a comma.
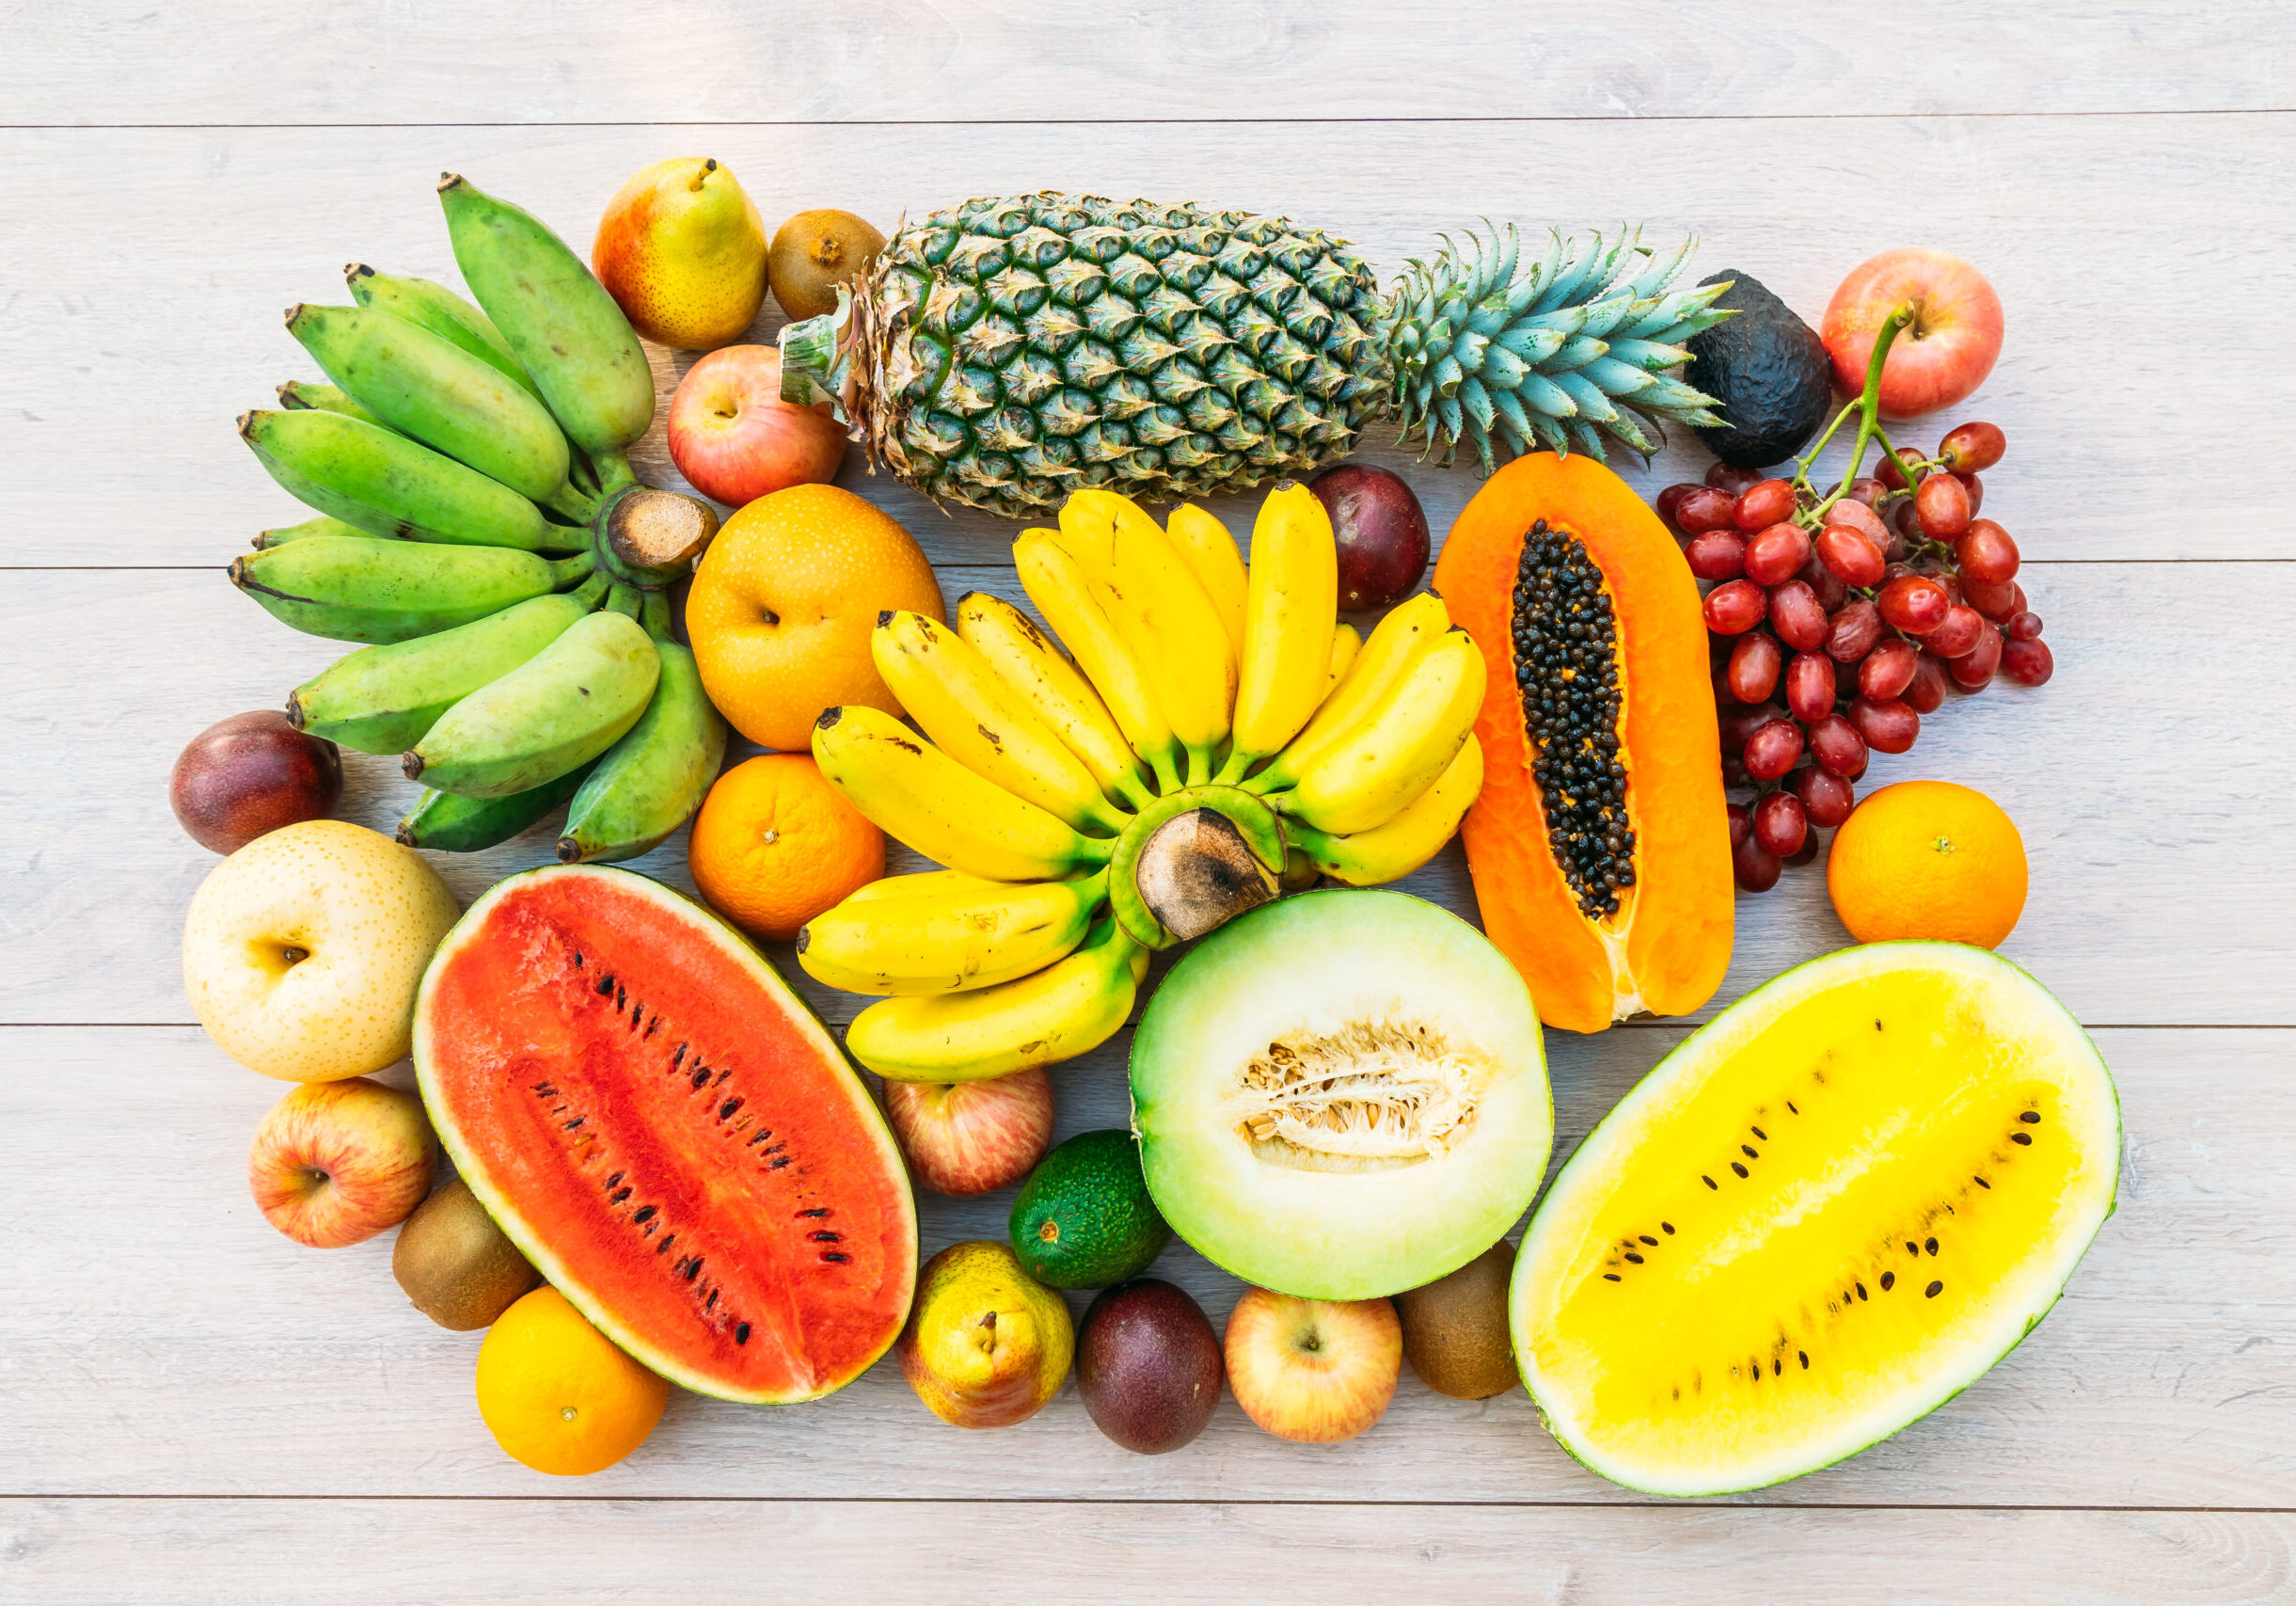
x: 1768, y: 375
x: 1083, y: 1219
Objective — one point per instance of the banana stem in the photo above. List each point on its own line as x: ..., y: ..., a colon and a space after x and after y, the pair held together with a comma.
x: 571, y: 504
x: 613, y: 472
x: 592, y: 591
x: 654, y: 613
x: 626, y: 599
x: 565, y: 571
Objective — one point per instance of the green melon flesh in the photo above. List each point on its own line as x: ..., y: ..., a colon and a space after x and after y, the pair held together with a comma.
x: 1404, y: 1133
x: 1822, y: 1216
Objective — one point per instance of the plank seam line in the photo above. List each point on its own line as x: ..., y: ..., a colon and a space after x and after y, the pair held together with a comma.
x: 993, y: 565
x: 1687, y: 1506
x: 1681, y: 1025
x: 1169, y: 122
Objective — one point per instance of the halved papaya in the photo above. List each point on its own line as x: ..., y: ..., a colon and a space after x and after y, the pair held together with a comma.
x: 1600, y: 846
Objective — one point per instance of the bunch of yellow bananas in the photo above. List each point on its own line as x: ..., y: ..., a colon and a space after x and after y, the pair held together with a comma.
x: 1213, y: 725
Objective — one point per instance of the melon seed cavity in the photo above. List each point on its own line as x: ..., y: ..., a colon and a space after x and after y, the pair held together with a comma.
x: 1372, y: 1096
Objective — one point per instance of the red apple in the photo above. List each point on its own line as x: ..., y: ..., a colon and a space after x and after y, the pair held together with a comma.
x: 1939, y: 357
x: 334, y: 1163
x: 966, y: 1137
x: 735, y: 438
x: 1313, y: 1371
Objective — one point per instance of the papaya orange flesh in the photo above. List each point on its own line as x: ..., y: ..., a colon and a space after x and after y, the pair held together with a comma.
x: 1665, y: 946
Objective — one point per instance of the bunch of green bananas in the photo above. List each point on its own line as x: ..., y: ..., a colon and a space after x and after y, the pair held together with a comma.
x: 481, y: 530
x: 1216, y: 735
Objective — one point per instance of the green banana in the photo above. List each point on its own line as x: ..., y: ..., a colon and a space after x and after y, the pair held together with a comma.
x: 564, y: 707
x: 384, y: 699
x: 305, y: 395
x: 651, y: 781
x: 558, y: 319
x: 266, y: 539
x: 355, y: 588
x: 1064, y: 1009
x: 444, y: 313
x: 449, y: 824
x: 388, y: 485
x: 433, y: 390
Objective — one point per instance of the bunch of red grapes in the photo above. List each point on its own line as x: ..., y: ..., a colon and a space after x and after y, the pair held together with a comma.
x: 1836, y: 625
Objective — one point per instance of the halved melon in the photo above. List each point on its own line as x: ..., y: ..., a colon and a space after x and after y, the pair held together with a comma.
x: 665, y: 1131
x: 1342, y: 1096
x: 1825, y: 1214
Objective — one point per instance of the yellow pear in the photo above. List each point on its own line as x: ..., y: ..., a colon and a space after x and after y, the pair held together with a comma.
x: 683, y: 249
x: 987, y: 1346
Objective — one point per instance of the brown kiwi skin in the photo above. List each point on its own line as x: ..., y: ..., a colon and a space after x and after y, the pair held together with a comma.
x: 813, y: 253
x: 455, y: 1262
x: 1455, y: 1328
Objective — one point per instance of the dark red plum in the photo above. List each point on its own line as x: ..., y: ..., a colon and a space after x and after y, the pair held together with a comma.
x: 252, y: 773
x: 1382, y: 533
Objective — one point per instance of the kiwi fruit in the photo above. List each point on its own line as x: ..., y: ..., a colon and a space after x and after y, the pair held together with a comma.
x: 455, y: 1262
x: 813, y: 253
x: 1455, y: 1328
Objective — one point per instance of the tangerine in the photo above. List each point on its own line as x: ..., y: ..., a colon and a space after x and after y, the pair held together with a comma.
x: 775, y: 845
x: 783, y: 602
x: 557, y: 1393
x: 1928, y: 860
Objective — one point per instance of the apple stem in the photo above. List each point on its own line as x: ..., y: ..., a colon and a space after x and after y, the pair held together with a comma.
x: 1868, y: 408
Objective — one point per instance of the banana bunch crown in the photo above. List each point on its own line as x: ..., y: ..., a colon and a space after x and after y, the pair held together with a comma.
x: 1192, y: 735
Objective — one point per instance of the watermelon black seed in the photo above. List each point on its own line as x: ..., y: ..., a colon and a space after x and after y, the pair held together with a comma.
x: 1876, y: 1025
x: 1611, y: 1277
x: 1651, y: 1241
x: 1913, y: 1248
x: 653, y: 1025
x: 1805, y: 1355
x: 701, y: 1074
x: 574, y: 1123
x: 726, y: 1109
x: 618, y: 1196
x: 693, y: 1268
x: 1750, y: 1150
x: 614, y: 1181
x: 710, y: 1303
x: 666, y: 1239
x: 1888, y: 1281
x: 778, y: 1161
x: 762, y: 1133
x: 1934, y: 1290
x: 1983, y: 1183
x: 644, y: 1213
x: 1778, y: 1367
x: 826, y: 1237
x: 839, y: 1258
x: 1667, y: 1227
x: 1861, y: 1292
x: 577, y: 959
x: 606, y: 985
x: 742, y: 1333
x: 2023, y: 1138
x: 622, y: 995
x: 1790, y: 1106
x: 1709, y: 1181
x: 1759, y: 1132
x: 817, y: 1211
x: 1735, y: 1167
x: 676, y: 1058
x: 1633, y: 1258
x: 1930, y: 1244
x: 1757, y: 1365
x: 2031, y: 1117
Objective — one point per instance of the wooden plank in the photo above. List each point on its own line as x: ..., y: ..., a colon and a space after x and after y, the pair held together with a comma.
x: 2160, y: 819
x: 501, y: 62
x: 245, y: 1552
x: 181, y: 1346
x: 134, y: 362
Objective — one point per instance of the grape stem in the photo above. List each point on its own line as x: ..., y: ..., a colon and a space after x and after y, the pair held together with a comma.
x: 1868, y: 408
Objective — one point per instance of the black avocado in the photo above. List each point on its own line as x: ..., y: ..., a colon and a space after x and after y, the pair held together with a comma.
x: 1766, y: 371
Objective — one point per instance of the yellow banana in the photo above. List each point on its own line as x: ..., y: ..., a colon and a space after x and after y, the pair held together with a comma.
x: 1409, y: 629
x: 1210, y: 551
x: 1040, y: 674
x: 1063, y: 1010
x: 1165, y: 616
x: 952, y: 940
x: 1346, y: 641
x: 974, y: 717
x: 1057, y: 583
x: 1369, y: 775
x: 922, y: 884
x: 1290, y: 613
x: 918, y: 794
x: 1393, y: 851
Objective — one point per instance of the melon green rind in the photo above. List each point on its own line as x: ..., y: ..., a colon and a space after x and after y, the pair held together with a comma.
x: 1318, y: 960
x: 1601, y: 1166
x: 477, y: 1166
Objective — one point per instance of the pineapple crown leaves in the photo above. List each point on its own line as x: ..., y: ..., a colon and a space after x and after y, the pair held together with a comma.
x: 1555, y: 355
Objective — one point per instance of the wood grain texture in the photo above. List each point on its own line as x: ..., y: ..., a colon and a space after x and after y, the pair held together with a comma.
x: 2161, y: 824
x: 911, y: 61
x: 181, y: 1346
x: 134, y: 361
x: 559, y: 1553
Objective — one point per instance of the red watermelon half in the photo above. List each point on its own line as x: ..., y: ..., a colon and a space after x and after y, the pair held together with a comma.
x: 667, y: 1133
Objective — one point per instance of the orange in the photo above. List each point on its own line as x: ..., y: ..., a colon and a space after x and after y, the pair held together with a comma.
x: 783, y: 605
x: 556, y: 1393
x: 1927, y: 859
x: 775, y: 845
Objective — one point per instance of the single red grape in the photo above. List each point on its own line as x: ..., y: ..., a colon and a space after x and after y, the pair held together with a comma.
x: 1826, y: 585
x: 1756, y: 867
x: 1855, y: 629
x: 1703, y: 509
x: 2028, y: 660
x: 1941, y: 506
x: 1985, y: 552
x: 1670, y: 501
x: 1887, y: 726
x: 1887, y: 670
x: 1735, y: 607
x: 1799, y: 616
x: 2017, y: 595
x: 1905, y: 524
x: 1765, y: 503
x: 1837, y: 748
x: 2025, y: 626
x: 1848, y: 553
x: 1779, y: 824
x: 1959, y: 634
x: 1971, y: 446
x: 1729, y: 477
x: 1777, y: 555
x: 1887, y: 470
x: 1974, y: 670
x: 1925, y: 693
x: 1772, y: 749
x: 1826, y: 797
x: 1804, y: 854
x: 1753, y: 666
x: 1914, y: 603
x: 1717, y: 554
x: 1995, y: 599
x: 1976, y: 488
x: 1738, y: 722
x: 1865, y: 489
x: 1741, y: 823
x: 1809, y: 686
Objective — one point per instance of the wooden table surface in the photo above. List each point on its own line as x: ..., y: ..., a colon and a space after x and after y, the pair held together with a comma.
x: 194, y: 1410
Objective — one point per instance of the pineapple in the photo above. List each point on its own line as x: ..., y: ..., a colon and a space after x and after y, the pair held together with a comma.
x: 1008, y: 352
